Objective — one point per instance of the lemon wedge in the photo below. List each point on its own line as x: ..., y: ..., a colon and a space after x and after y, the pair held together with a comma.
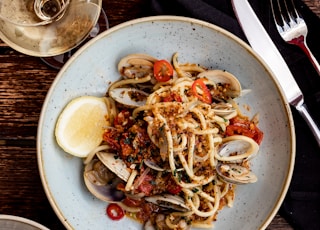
x: 79, y: 128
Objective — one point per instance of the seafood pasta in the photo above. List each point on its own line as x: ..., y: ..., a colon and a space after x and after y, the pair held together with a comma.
x: 177, y: 144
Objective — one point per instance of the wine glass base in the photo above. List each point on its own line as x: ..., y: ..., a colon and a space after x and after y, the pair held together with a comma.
x: 58, y: 61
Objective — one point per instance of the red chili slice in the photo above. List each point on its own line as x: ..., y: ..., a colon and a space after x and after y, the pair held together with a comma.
x: 115, y: 212
x: 162, y: 70
x: 199, y: 86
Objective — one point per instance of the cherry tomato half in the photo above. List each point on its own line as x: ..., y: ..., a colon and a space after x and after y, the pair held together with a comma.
x: 172, y: 97
x: 132, y: 202
x: 246, y: 128
x: 173, y: 187
x: 201, y: 91
x: 162, y: 70
x: 146, y: 186
x: 111, y: 137
x: 123, y: 119
x: 115, y: 212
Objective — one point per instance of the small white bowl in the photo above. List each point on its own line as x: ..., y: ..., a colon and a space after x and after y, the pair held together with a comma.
x: 9, y: 222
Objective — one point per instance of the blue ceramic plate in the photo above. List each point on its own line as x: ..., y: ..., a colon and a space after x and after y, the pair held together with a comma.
x: 94, y: 66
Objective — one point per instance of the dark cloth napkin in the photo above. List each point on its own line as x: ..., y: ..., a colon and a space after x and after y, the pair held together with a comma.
x: 301, y: 207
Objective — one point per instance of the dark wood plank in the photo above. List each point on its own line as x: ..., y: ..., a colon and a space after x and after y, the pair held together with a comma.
x: 314, y: 6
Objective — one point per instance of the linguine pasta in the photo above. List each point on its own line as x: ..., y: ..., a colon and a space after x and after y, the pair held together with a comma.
x: 170, y: 144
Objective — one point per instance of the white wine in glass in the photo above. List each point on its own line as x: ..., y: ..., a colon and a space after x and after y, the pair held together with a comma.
x: 45, y: 28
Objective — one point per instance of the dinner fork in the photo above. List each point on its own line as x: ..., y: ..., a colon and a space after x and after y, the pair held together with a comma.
x: 292, y: 27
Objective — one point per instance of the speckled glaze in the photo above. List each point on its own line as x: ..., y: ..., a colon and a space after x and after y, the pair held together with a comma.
x: 94, y: 66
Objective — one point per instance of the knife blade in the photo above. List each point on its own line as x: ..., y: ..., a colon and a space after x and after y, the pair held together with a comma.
x: 259, y: 40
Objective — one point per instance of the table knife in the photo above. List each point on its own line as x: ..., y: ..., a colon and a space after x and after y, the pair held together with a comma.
x: 262, y: 44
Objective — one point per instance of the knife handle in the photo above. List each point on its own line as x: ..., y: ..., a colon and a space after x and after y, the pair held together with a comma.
x: 302, y: 109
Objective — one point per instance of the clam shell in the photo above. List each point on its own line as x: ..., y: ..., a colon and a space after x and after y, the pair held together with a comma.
x: 223, y: 77
x: 106, y: 192
x: 130, y: 97
x: 237, y: 148
x: 235, y: 174
x: 225, y: 110
x: 169, y: 201
x: 114, y: 164
x: 128, y: 65
x: 233, y: 151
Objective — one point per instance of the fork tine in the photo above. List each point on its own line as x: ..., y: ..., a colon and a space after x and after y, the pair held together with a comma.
x: 288, y: 10
x: 285, y: 14
x: 278, y: 16
x: 294, y: 15
x: 292, y: 27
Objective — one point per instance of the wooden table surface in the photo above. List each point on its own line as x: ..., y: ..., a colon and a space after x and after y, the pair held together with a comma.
x: 314, y: 5
x: 24, y: 82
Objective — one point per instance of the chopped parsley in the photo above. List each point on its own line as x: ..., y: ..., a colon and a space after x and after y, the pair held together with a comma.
x: 195, y: 190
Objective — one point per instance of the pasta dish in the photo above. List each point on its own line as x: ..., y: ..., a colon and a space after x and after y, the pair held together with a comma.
x: 176, y: 144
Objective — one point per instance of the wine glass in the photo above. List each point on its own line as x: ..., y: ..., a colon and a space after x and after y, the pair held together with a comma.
x: 48, y: 28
